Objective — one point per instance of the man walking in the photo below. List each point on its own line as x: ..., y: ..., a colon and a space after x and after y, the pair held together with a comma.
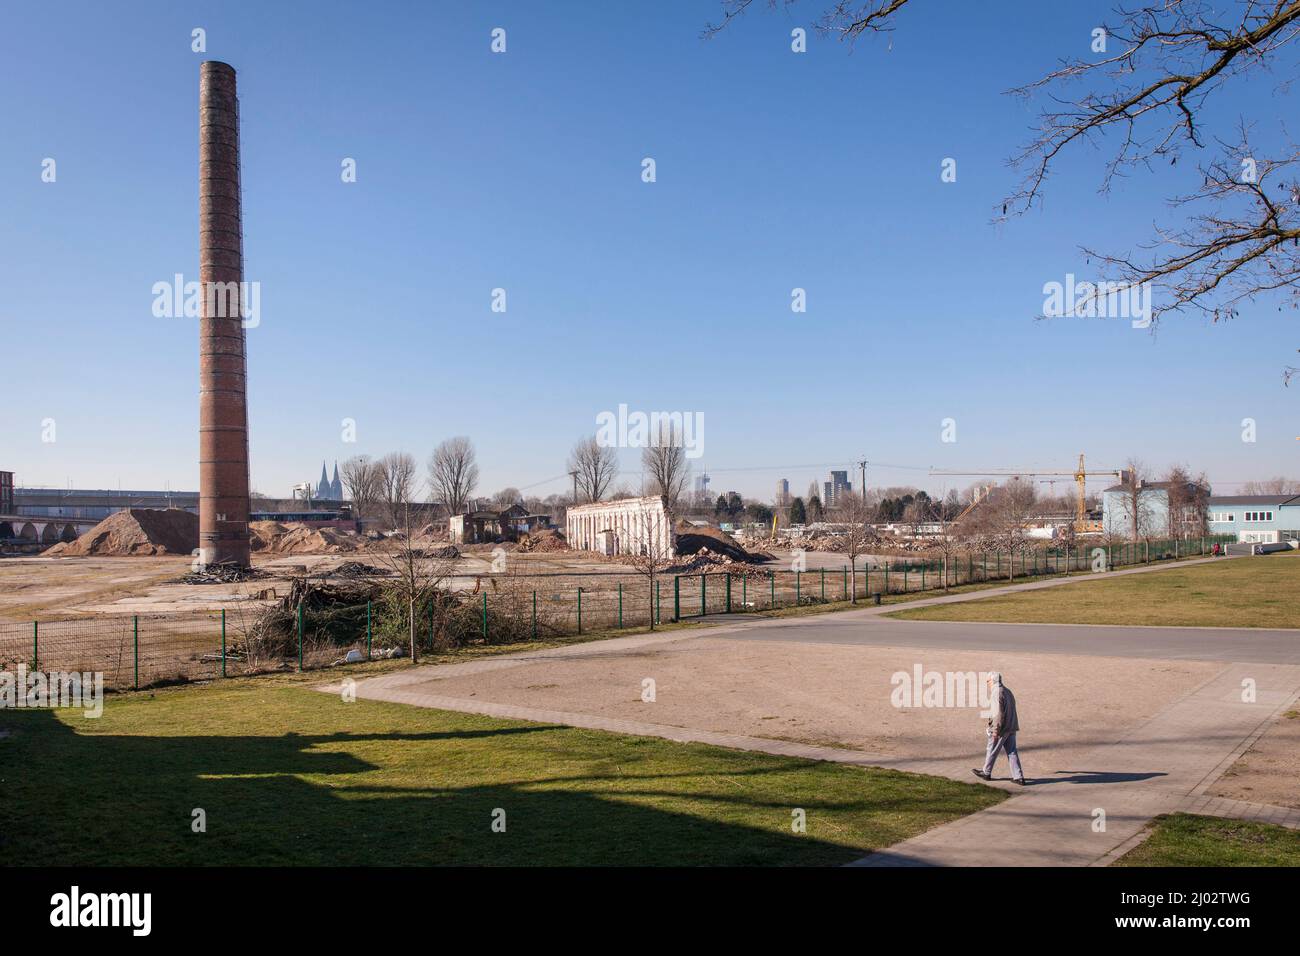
x: 1002, y: 730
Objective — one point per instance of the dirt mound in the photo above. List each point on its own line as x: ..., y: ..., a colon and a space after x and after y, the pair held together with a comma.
x: 271, y: 537
x: 136, y: 532
x: 697, y: 539
x: 706, y: 561
x: 542, y: 541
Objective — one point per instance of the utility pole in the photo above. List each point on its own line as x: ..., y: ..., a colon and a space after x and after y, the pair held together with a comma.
x: 574, y: 475
x: 863, y: 466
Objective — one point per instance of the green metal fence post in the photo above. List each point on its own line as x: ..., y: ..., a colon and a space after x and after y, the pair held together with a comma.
x: 223, y: 642
x: 659, y: 606
x: 823, y: 585
x: 704, y: 583
x: 299, y: 637
x: 923, y: 564
x: 620, y: 604
x: 906, y: 565
x: 485, y: 615
x: 579, y: 609
x: 677, y: 597
x: 771, y: 603
x: 36, y: 645
x: 728, y: 580
x: 534, y: 615
x: 369, y: 631
x: 796, y: 589
x: 744, y: 591
x: 135, y: 640
x: 885, y: 589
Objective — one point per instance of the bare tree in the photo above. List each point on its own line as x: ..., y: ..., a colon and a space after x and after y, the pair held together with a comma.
x: 858, y: 537
x: 666, y: 466
x: 418, y: 577
x: 453, y: 473
x: 595, y: 467
x: 363, y: 484
x: 652, y: 550
x: 1272, y: 486
x: 948, y: 537
x: 1189, y: 500
x: 506, y: 497
x: 1151, y: 84
x: 396, y: 481
x: 1136, y: 505
x: 1010, y: 508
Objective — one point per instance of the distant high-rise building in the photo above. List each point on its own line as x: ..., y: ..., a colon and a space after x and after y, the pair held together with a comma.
x: 833, y: 490
x: 702, y: 485
x: 783, y: 492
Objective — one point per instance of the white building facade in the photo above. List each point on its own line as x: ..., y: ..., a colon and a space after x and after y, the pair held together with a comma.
x: 639, y: 526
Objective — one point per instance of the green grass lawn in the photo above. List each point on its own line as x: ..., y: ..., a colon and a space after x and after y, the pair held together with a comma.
x: 1183, y: 839
x: 1242, y: 592
x: 288, y: 775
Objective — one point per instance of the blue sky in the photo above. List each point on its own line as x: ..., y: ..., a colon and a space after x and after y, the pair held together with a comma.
x: 523, y: 171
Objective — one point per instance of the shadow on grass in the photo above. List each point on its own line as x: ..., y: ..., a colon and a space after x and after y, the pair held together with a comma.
x: 97, y: 798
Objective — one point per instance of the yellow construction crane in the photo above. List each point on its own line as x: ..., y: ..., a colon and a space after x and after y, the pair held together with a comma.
x: 1080, y: 476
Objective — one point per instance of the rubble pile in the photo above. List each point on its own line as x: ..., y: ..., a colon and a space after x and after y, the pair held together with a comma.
x: 272, y: 537
x: 356, y: 569
x: 220, y: 574
x: 715, y: 545
x: 705, y: 561
x: 543, y: 541
x: 135, y: 532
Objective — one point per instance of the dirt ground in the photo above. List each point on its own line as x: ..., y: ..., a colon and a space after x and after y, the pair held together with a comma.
x: 840, y: 695
x: 40, y: 587
x: 1269, y: 772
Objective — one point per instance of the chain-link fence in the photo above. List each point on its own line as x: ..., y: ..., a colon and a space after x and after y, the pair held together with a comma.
x: 248, y: 638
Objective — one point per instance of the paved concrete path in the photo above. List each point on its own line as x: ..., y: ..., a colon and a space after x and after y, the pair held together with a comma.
x: 1163, y: 765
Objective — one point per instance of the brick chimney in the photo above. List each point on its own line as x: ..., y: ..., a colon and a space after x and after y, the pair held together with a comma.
x: 223, y: 402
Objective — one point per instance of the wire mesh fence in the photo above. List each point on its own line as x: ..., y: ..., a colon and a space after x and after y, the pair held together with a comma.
x: 248, y: 638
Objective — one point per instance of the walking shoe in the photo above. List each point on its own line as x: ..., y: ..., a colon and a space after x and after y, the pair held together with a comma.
x: 982, y: 775
x: 1020, y: 781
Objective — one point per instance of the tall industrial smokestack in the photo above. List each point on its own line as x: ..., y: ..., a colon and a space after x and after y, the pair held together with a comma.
x: 223, y: 401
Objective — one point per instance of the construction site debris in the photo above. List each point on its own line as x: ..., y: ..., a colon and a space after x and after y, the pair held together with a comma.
x: 542, y: 541
x: 219, y: 574
x: 715, y: 544
x: 705, y: 561
x: 135, y: 532
x: 272, y: 537
x: 356, y: 569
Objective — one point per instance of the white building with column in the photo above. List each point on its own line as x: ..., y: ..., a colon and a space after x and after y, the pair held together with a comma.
x: 640, y: 526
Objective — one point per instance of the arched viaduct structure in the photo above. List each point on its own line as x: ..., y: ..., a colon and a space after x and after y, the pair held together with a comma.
x: 35, y: 530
